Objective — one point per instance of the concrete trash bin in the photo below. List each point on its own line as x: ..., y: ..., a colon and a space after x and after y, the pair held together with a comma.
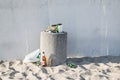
x: 55, y: 47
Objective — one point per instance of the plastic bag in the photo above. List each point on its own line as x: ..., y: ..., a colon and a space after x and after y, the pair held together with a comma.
x: 33, y: 56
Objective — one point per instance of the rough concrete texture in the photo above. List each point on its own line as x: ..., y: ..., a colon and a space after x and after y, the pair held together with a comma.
x: 55, y: 47
x: 21, y: 22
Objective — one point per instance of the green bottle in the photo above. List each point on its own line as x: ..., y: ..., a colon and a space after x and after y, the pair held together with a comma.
x: 70, y: 65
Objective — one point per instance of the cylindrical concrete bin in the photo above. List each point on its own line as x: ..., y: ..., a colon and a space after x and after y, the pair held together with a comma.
x: 55, y: 47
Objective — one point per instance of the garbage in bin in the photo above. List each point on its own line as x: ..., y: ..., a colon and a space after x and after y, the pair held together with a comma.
x: 55, y: 28
x: 33, y: 56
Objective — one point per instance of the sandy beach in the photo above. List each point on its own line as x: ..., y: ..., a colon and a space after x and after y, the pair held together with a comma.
x: 87, y: 68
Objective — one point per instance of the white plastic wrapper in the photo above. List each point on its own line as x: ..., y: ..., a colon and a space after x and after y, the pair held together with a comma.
x: 33, y: 56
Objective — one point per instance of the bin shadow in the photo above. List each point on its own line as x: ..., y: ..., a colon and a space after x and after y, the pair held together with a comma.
x: 88, y: 60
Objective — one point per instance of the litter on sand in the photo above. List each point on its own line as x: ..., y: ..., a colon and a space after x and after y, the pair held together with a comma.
x: 33, y: 56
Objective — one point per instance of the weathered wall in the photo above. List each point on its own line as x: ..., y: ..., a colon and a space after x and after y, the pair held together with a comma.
x: 20, y: 24
x: 92, y: 25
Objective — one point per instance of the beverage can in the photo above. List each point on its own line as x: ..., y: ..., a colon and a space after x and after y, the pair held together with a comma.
x: 60, y: 27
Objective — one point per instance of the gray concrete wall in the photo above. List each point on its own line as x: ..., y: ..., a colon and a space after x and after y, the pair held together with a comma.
x: 92, y: 25
x: 20, y: 24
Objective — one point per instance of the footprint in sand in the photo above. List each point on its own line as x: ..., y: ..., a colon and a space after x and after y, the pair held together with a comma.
x: 3, y: 73
x: 81, y: 78
x: 15, y: 63
x: 1, y: 61
x: 44, y: 70
x: 118, y: 67
x: 24, y: 74
x: 68, y: 78
x: 82, y: 67
x: 57, y: 70
x: 36, y: 75
x: 13, y: 73
x: 11, y: 63
x: 50, y: 79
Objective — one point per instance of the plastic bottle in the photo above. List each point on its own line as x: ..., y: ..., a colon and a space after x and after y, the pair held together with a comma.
x: 44, y: 61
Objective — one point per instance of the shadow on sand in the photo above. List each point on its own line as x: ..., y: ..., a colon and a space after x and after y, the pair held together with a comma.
x: 88, y: 60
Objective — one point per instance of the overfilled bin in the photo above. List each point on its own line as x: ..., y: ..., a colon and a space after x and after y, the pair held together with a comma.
x: 55, y: 47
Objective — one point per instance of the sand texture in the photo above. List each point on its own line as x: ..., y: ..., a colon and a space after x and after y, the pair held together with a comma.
x: 87, y: 68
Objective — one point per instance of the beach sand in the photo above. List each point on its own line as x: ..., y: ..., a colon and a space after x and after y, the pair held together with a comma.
x: 87, y: 68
